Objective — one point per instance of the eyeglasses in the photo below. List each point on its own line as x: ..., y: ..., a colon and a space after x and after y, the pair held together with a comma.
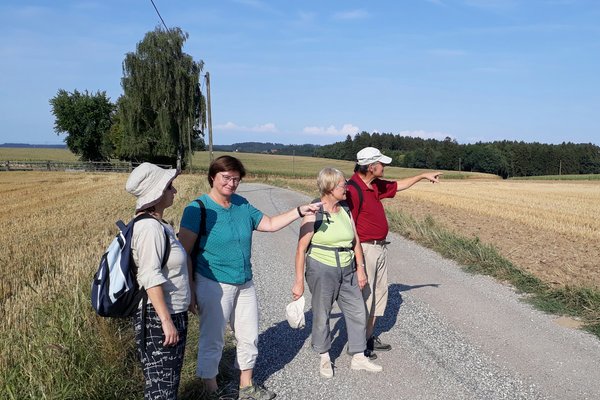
x: 342, y: 186
x: 228, y: 178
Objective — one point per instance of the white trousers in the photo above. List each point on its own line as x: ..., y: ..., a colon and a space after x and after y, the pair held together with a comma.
x: 218, y: 304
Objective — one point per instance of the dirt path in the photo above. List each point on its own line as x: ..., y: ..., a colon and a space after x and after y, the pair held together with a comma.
x: 455, y: 336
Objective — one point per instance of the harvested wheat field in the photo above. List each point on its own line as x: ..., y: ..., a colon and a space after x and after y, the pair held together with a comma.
x: 55, y: 227
x: 550, y: 229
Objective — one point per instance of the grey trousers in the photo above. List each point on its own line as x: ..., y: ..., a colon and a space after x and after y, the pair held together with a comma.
x: 328, y: 284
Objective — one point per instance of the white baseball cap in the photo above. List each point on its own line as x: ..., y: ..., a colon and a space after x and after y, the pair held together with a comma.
x: 370, y: 155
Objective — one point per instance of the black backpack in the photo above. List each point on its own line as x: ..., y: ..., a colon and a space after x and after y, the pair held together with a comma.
x: 115, y: 291
x: 319, y: 215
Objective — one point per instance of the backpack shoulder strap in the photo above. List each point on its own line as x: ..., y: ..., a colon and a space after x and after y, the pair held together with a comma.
x: 353, y: 183
x: 202, y: 231
x: 167, y: 249
x: 318, y: 215
x: 346, y: 208
x: 121, y: 225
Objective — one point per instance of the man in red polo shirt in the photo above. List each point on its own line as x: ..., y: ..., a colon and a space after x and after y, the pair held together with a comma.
x: 372, y: 227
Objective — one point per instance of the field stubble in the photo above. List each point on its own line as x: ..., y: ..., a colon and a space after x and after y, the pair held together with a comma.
x: 55, y: 227
x: 550, y: 229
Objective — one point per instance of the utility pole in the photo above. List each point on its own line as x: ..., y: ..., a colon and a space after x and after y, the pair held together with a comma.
x: 559, y: 167
x: 208, y: 116
x: 189, y: 140
x: 459, y: 160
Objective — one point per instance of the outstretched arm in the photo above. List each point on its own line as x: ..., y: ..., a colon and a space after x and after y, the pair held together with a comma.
x: 433, y: 177
x: 273, y: 224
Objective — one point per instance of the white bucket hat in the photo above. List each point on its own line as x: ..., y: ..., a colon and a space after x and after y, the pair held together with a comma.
x: 294, y: 312
x: 370, y: 155
x: 148, y: 182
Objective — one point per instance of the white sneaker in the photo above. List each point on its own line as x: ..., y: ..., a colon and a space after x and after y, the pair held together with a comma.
x: 326, y: 369
x: 359, y: 361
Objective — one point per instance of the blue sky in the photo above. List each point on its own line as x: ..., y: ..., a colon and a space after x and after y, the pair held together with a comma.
x: 314, y: 71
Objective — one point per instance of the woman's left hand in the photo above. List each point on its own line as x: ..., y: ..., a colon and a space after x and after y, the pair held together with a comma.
x: 362, y: 278
x: 193, y: 307
x: 170, y: 332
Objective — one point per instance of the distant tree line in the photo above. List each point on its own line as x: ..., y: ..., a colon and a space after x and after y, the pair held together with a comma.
x: 307, y: 150
x: 159, y: 117
x: 504, y: 158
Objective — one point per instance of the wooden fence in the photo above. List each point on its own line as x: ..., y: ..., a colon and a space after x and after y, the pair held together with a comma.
x: 70, y: 166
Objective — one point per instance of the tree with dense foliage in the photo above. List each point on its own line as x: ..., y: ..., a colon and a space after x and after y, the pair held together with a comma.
x: 86, y: 119
x: 158, y: 111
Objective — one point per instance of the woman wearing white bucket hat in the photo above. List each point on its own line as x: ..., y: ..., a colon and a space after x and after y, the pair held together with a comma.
x: 160, y: 328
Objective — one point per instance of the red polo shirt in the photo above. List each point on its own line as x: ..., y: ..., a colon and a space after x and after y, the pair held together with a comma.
x: 371, y: 224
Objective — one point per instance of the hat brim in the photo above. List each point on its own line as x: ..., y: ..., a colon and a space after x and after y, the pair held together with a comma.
x: 385, y: 159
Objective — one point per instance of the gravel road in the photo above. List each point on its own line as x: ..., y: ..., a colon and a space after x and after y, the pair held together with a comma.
x: 454, y: 335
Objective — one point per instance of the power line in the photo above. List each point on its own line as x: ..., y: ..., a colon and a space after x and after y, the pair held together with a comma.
x: 159, y: 16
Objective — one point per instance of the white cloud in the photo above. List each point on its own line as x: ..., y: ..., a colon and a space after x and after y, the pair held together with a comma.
x: 331, y: 130
x: 230, y: 126
x: 352, y: 14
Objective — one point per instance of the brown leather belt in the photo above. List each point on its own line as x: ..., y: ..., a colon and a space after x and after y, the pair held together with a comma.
x: 376, y: 242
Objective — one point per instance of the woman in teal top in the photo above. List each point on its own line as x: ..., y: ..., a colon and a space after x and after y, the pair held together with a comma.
x: 222, y: 285
x: 335, y: 271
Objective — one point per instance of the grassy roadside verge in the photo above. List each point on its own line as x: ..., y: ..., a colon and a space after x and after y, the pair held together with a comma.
x: 582, y: 303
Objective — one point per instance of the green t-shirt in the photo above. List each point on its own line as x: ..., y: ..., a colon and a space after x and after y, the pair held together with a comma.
x: 335, y: 231
x: 227, y: 246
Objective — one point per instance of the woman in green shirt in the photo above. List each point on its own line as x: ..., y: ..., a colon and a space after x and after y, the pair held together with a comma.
x: 329, y: 247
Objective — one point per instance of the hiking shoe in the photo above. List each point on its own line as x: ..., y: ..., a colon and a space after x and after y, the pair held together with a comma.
x: 255, y: 392
x: 374, y: 343
x: 370, y: 354
x: 360, y: 362
x: 226, y: 393
x: 219, y: 396
x: 326, y: 369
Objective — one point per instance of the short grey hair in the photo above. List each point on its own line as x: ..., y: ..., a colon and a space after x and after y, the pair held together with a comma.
x: 328, y: 179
